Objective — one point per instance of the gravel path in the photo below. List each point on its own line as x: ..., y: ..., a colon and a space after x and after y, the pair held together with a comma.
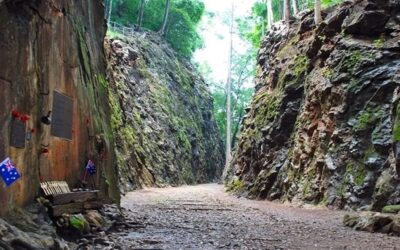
x: 204, y: 217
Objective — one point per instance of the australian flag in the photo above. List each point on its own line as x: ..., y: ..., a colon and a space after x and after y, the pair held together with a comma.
x: 8, y: 172
x: 91, y: 168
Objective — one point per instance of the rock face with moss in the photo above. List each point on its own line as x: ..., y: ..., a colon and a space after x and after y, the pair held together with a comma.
x: 323, y: 126
x: 162, y: 116
x: 48, y: 47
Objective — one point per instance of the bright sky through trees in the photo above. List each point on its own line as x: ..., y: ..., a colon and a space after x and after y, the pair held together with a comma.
x: 215, y: 32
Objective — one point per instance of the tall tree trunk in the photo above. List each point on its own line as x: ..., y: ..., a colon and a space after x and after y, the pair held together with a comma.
x: 286, y: 12
x: 228, y: 93
x: 317, y: 12
x: 140, y: 15
x: 295, y: 7
x: 237, y: 126
x: 109, y: 12
x: 166, y: 14
x: 270, y: 14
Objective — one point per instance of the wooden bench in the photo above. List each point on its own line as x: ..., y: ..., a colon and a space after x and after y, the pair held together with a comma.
x: 64, y: 201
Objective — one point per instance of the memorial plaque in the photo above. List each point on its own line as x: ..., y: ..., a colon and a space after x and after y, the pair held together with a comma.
x: 18, y: 130
x: 61, y: 120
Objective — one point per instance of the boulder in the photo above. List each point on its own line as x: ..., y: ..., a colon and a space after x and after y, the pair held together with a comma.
x: 94, y: 218
x: 367, y: 23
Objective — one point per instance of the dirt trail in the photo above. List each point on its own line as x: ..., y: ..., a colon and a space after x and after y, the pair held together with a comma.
x: 204, y: 217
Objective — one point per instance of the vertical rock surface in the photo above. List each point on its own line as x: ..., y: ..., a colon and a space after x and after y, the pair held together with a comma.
x: 162, y: 116
x: 51, y: 46
x: 323, y: 125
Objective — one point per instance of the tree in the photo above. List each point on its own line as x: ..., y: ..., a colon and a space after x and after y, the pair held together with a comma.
x: 270, y: 14
x: 294, y: 7
x: 166, y: 14
x: 109, y: 12
x: 140, y: 14
x: 286, y: 12
x: 229, y: 92
x: 243, y: 70
x: 317, y: 12
x: 181, y: 33
x: 181, y: 21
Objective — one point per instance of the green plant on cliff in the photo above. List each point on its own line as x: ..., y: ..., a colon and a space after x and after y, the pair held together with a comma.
x: 327, y: 72
x: 396, y: 126
x: 368, y: 117
x: 269, y: 105
x: 351, y: 60
x: 236, y: 185
x: 379, y: 42
x: 301, y: 65
x: 358, y: 173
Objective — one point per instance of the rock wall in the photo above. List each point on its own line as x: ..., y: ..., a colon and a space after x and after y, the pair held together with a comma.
x: 49, y: 45
x: 162, y: 116
x: 323, y: 125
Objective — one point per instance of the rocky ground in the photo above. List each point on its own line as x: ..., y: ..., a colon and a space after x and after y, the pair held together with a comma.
x: 194, y: 217
x: 204, y: 217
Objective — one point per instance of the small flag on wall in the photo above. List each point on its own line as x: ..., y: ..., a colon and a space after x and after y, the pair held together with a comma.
x: 91, y: 168
x: 8, y: 172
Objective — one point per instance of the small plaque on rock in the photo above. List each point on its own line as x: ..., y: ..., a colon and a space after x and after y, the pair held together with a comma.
x: 18, y: 130
x: 61, y: 125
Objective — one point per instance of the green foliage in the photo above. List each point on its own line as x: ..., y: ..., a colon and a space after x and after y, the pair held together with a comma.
x: 269, y: 105
x: 220, y: 110
x: 379, y: 42
x: 358, y: 173
x: 352, y: 60
x: 78, y: 222
x: 392, y: 209
x: 124, y: 11
x: 236, y: 186
x: 327, y: 72
x: 253, y: 27
x: 242, y: 74
x: 116, y: 116
x: 355, y: 175
x: 368, y: 117
x: 309, y: 4
x: 240, y: 103
x: 301, y: 66
x: 181, y: 31
x: 329, y: 3
x: 396, y: 128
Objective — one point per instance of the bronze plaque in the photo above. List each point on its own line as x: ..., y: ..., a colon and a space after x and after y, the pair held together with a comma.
x: 61, y: 119
x: 18, y: 130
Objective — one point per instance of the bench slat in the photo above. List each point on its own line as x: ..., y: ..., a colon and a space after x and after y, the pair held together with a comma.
x: 83, y: 196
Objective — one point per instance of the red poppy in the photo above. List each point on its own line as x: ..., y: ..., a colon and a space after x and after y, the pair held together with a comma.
x: 15, y: 113
x: 25, y: 118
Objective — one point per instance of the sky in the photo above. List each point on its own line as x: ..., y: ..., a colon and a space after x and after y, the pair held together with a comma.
x: 216, y: 36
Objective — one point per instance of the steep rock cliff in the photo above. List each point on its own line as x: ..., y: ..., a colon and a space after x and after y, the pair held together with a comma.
x: 323, y: 125
x: 162, y: 116
x: 49, y: 46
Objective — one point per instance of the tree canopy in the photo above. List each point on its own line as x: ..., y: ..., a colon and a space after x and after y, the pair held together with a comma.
x: 253, y: 26
x: 181, y: 27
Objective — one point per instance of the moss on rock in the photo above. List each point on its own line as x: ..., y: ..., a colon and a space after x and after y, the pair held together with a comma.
x: 159, y: 108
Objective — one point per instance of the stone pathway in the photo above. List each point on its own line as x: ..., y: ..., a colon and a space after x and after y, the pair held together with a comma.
x: 204, y: 217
